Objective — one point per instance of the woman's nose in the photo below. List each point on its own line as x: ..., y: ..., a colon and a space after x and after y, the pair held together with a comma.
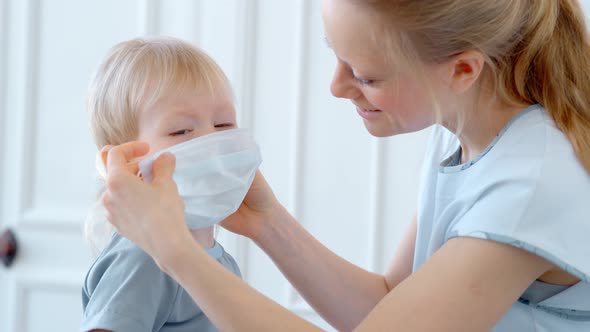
x: 342, y: 85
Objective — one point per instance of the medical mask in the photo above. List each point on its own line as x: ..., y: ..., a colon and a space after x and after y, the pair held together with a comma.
x: 213, y: 174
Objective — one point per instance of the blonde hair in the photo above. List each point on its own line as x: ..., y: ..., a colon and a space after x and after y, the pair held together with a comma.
x: 537, y: 50
x: 137, y: 73
x: 134, y: 75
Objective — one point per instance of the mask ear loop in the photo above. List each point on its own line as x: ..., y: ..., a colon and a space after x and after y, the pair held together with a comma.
x: 100, y: 162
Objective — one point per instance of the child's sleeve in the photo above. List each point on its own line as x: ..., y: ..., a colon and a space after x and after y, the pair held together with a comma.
x: 126, y: 291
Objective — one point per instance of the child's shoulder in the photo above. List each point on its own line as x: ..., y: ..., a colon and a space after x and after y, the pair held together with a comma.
x: 122, y: 259
x: 125, y: 290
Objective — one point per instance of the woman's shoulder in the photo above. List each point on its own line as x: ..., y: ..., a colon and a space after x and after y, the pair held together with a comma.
x: 532, y: 192
x: 536, y: 151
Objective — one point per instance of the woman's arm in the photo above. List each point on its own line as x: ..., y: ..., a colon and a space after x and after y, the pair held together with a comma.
x: 341, y: 292
x: 466, y: 286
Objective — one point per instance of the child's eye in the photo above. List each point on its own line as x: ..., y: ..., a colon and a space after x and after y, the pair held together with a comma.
x: 181, y: 132
x: 224, y: 125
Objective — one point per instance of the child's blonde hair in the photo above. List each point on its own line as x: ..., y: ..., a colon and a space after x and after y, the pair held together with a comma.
x: 133, y: 76
x: 537, y: 50
x: 137, y: 73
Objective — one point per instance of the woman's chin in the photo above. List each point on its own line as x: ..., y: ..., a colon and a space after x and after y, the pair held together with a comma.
x: 380, y: 131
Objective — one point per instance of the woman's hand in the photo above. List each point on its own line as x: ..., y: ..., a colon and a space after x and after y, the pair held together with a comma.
x: 149, y: 214
x: 259, y: 208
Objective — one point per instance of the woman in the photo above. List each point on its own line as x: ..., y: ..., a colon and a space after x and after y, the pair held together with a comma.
x: 498, y: 241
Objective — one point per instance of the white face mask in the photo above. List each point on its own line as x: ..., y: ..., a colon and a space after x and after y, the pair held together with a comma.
x: 213, y: 174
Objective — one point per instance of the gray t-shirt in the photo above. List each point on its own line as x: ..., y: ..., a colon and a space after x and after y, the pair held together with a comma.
x: 125, y: 290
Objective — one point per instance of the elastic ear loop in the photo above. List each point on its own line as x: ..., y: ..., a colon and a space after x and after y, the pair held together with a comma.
x: 101, y: 160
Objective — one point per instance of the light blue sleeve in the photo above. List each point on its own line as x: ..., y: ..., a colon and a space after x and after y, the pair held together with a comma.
x: 126, y: 291
x: 537, y: 199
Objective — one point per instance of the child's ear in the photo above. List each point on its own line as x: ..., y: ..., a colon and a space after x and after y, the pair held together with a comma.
x: 101, y: 161
x: 465, y: 69
x: 104, y: 154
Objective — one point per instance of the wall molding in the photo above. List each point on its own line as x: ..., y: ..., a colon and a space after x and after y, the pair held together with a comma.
x: 4, y: 26
x: 27, y: 215
x: 30, y: 104
x: 149, y: 18
x: 376, y: 198
x: 59, y: 218
x: 26, y: 281
x: 245, y: 58
x: 298, y: 118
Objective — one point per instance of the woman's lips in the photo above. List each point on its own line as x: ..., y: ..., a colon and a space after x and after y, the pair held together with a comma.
x: 367, y: 114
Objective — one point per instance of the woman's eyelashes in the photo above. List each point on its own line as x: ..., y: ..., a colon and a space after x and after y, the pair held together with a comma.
x: 363, y: 81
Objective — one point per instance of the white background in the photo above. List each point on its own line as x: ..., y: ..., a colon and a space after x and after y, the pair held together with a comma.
x: 354, y: 192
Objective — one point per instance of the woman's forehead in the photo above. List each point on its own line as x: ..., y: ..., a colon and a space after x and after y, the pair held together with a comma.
x: 348, y: 35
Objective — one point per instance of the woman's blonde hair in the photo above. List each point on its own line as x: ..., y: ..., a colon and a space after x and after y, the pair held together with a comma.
x: 537, y: 50
x: 134, y: 75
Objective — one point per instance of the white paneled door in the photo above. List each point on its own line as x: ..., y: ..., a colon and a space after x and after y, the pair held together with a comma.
x: 48, y: 51
x: 354, y: 192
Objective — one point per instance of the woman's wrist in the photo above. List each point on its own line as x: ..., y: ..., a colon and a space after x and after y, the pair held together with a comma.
x: 176, y: 253
x: 270, y: 228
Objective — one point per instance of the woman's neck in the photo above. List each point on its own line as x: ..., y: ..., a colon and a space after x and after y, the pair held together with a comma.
x: 478, y: 135
x: 477, y: 127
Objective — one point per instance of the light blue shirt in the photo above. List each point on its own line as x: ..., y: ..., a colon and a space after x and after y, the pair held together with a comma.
x: 125, y: 291
x: 528, y: 190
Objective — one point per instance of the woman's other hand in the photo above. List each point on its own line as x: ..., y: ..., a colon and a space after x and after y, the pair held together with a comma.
x: 259, y: 208
x: 149, y: 214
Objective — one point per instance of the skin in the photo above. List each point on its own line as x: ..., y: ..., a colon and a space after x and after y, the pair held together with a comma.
x: 179, y: 117
x: 465, y: 278
x: 182, y: 116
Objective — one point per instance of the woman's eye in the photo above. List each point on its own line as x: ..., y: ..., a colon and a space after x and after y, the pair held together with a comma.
x: 361, y: 81
x: 364, y: 82
x: 181, y: 132
x: 225, y: 125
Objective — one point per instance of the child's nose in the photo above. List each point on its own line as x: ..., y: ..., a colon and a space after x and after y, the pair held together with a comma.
x: 206, y: 131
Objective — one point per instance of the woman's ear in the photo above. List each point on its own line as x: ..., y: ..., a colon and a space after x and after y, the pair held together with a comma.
x: 465, y: 69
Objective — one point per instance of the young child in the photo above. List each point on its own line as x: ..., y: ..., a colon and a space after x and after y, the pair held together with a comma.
x: 162, y: 91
